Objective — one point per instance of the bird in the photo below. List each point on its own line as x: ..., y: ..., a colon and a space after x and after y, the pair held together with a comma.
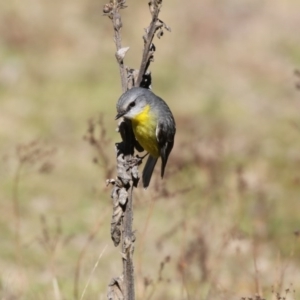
x: 153, y: 126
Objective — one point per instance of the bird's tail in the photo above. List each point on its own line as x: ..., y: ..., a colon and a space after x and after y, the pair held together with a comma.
x: 148, y: 170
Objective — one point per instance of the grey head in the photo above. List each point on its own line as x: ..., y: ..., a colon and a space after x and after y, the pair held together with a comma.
x: 133, y: 102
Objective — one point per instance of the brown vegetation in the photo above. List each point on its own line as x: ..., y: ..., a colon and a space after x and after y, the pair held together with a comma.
x: 224, y: 222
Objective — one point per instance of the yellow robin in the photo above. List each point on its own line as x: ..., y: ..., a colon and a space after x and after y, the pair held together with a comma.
x: 153, y: 125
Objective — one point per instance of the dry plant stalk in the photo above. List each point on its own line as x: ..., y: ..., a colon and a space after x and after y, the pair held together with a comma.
x: 34, y: 153
x: 122, y: 287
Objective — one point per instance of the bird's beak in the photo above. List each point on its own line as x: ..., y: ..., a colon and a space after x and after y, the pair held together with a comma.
x: 119, y: 115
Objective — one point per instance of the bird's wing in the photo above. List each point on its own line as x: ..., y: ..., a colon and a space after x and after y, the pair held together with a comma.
x: 165, y: 132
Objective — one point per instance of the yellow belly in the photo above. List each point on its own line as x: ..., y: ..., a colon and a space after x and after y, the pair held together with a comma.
x: 144, y: 128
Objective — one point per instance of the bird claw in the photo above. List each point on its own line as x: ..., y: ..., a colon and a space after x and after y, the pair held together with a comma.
x: 135, y: 161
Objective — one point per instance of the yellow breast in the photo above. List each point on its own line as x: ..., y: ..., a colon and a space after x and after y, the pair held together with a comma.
x: 144, y: 128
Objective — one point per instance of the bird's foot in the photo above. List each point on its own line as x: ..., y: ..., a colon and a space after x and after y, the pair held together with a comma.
x: 137, y: 160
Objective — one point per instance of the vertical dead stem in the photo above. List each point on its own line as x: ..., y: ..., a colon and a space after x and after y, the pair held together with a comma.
x: 122, y: 287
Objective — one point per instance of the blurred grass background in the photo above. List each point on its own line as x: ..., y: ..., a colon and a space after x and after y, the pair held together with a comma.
x: 225, y: 220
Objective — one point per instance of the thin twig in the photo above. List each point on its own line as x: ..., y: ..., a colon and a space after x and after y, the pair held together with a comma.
x: 118, y: 41
x: 92, y: 272
x: 150, y: 32
x: 56, y: 290
x: 149, y: 48
x: 112, y: 10
x: 81, y: 256
x: 256, y: 271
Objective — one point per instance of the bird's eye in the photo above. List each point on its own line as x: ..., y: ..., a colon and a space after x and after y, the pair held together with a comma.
x: 132, y: 104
